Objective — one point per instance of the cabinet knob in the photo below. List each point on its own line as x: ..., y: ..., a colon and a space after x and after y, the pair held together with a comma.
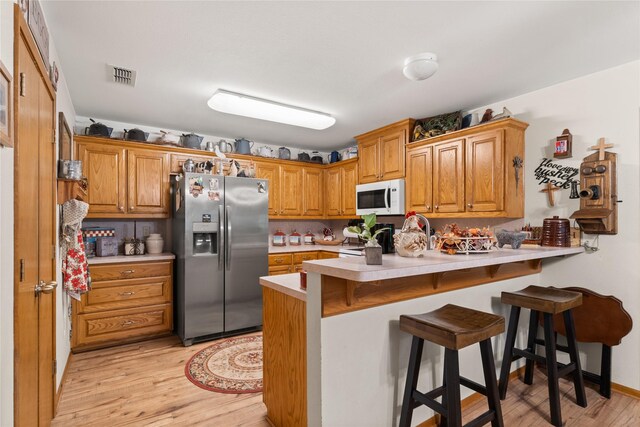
x: 469, y: 205
x: 132, y: 208
x: 428, y: 207
x: 437, y: 207
x: 121, y: 208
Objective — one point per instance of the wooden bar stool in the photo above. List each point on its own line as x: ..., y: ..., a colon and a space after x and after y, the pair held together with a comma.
x: 452, y: 327
x: 548, y: 301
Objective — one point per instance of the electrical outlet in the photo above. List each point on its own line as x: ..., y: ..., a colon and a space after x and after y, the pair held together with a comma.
x: 146, y: 230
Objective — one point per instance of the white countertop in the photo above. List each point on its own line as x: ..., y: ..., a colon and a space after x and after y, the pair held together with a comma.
x: 308, y: 248
x: 394, y: 266
x: 130, y: 258
x: 286, y: 283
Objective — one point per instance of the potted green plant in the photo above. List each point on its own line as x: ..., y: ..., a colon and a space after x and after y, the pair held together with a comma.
x: 372, y: 250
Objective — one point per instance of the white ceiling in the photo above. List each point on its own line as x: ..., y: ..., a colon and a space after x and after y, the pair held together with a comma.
x: 342, y: 58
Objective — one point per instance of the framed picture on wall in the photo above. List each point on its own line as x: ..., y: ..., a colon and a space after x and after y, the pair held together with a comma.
x: 6, y: 107
x: 65, y: 139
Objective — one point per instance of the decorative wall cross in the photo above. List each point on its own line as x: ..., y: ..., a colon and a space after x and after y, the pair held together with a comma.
x: 517, y: 165
x: 549, y: 190
x: 600, y: 147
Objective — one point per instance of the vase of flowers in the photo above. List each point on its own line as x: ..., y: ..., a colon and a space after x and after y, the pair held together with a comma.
x: 372, y: 249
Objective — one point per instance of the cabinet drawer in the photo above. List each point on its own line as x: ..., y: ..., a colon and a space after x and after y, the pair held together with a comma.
x: 94, y: 329
x: 130, y: 270
x: 327, y: 255
x: 117, y: 294
x: 297, y: 268
x: 276, y: 270
x: 304, y: 256
x: 280, y: 259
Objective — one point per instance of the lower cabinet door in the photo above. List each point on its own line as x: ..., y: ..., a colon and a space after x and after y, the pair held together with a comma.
x: 108, y: 327
x: 279, y: 269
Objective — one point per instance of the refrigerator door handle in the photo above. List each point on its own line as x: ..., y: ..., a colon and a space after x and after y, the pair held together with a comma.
x: 227, y: 241
x: 220, y: 235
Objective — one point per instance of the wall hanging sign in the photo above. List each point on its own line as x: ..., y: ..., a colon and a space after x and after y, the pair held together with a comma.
x: 562, y: 148
x: 39, y: 29
x: 6, y: 108
x: 555, y: 173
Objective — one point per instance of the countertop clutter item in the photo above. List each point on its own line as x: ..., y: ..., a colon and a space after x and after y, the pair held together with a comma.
x: 455, y: 240
x: 243, y: 146
x: 133, y: 247
x: 303, y: 280
x: 304, y: 156
x: 90, y: 236
x: 284, y: 153
x: 189, y: 166
x: 316, y: 157
x: 279, y: 239
x: 556, y: 232
x: 334, y: 156
x: 98, y: 129
x: 412, y: 241
x: 70, y: 169
x: 106, y: 246
x: 135, y: 135
x: 512, y: 238
x: 155, y: 243
x: 309, y: 238
x: 191, y: 140
x: 295, y: 239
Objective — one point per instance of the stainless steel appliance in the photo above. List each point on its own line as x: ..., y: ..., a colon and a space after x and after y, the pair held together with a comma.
x: 220, y: 238
x: 381, y: 198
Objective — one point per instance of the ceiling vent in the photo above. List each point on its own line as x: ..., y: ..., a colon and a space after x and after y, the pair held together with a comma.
x: 123, y: 75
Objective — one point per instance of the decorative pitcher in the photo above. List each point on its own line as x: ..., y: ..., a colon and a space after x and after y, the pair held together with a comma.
x: 412, y: 242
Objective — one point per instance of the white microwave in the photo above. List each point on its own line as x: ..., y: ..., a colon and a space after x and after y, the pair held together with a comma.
x: 381, y: 198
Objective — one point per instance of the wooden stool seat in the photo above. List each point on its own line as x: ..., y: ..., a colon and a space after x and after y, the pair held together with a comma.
x: 453, y: 326
x: 544, y: 300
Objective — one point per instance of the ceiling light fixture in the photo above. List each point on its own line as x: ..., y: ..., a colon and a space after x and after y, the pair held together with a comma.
x: 421, y: 66
x: 263, y: 109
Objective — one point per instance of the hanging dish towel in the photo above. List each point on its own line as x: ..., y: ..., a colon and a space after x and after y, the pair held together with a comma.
x: 75, y: 270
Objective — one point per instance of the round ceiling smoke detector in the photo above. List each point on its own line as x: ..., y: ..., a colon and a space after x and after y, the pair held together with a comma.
x: 421, y: 66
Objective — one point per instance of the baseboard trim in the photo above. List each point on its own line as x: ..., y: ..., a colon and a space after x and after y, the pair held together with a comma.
x: 468, y: 401
x: 623, y: 389
x: 62, y: 381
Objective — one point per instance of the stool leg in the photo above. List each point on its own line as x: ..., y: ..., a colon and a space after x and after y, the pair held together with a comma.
x: 531, y: 345
x: 578, y: 381
x: 454, y: 410
x: 412, y: 381
x: 443, y: 417
x: 490, y: 381
x: 605, y: 372
x: 508, y: 351
x: 552, y: 370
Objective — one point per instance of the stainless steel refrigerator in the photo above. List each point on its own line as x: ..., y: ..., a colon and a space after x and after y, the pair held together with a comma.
x: 221, y: 239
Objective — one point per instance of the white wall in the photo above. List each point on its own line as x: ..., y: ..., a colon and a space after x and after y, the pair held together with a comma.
x: 604, y: 104
x: 6, y: 231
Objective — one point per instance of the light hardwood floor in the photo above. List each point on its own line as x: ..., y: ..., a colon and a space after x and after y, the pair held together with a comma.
x: 143, y: 384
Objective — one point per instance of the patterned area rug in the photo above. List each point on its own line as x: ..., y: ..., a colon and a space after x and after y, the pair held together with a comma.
x: 231, y: 365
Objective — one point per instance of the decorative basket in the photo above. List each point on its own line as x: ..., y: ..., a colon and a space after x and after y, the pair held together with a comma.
x: 465, y: 245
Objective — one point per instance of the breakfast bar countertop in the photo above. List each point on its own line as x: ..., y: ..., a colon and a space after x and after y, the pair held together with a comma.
x: 309, y: 248
x: 394, y: 266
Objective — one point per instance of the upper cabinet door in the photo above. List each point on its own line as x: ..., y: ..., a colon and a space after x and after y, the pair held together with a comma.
x: 484, y: 172
x: 369, y: 161
x: 313, y: 192
x: 333, y: 195
x: 448, y: 177
x: 105, y: 169
x: 392, y: 155
x: 291, y: 181
x: 349, y: 182
x: 271, y: 172
x: 419, y: 185
x: 148, y: 182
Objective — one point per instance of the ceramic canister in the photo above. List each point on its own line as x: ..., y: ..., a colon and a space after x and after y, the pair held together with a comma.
x: 155, y: 243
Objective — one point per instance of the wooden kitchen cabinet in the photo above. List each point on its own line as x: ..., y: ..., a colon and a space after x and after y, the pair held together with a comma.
x: 484, y: 170
x: 313, y: 192
x: 292, y: 187
x: 148, y: 182
x: 177, y: 160
x: 271, y: 172
x: 448, y: 177
x: 468, y: 173
x: 381, y: 152
x: 340, y: 182
x: 106, y: 171
x: 127, y: 302
x: 419, y: 184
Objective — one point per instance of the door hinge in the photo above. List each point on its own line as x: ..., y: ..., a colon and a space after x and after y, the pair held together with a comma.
x: 23, y: 91
x: 53, y: 135
x: 55, y: 367
x: 22, y: 270
x: 53, y: 251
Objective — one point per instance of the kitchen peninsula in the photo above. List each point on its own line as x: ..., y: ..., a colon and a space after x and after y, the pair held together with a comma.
x: 334, y: 355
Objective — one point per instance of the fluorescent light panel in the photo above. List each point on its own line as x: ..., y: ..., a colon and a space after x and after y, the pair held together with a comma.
x: 263, y: 109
